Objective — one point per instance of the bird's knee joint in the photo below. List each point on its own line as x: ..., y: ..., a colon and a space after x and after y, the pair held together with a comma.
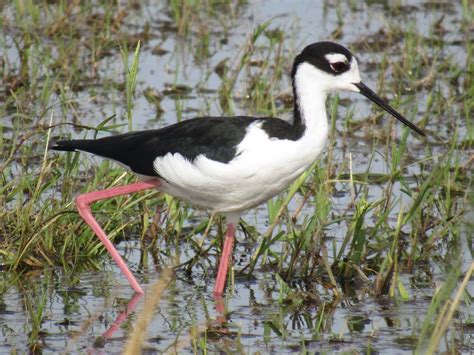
x: 82, y: 201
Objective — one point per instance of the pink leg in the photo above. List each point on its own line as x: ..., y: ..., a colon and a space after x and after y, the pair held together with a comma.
x: 224, y: 262
x: 83, y: 205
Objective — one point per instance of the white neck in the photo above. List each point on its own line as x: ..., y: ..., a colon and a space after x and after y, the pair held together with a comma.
x: 311, y: 93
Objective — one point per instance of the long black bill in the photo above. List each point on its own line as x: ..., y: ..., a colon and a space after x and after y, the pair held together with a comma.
x: 372, y: 96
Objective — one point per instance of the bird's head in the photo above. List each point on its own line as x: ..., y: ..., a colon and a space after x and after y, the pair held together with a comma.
x: 333, y: 67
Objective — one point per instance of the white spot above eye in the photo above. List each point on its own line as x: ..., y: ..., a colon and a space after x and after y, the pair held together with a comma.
x: 335, y: 58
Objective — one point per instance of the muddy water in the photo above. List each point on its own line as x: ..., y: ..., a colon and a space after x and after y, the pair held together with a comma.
x: 84, y: 311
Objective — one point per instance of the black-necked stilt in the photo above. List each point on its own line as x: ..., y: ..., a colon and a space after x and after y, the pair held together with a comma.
x: 231, y: 164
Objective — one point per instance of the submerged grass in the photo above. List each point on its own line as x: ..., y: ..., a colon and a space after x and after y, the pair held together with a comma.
x: 361, y: 222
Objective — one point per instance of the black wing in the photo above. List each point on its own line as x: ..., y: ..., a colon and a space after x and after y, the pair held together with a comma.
x: 214, y: 137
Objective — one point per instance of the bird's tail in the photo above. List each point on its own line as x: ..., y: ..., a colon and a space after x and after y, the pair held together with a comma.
x: 73, y: 145
x: 125, y: 148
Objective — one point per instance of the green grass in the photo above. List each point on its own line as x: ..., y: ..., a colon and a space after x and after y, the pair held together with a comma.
x: 345, y: 227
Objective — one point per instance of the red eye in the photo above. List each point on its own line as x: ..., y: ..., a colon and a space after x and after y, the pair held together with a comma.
x: 338, y: 67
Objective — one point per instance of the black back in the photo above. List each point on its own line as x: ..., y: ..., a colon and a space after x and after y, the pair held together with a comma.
x: 214, y: 137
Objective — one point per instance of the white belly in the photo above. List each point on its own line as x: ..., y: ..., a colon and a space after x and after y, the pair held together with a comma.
x: 262, y: 168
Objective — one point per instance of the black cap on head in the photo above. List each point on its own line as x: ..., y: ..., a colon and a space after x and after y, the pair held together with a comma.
x: 316, y: 54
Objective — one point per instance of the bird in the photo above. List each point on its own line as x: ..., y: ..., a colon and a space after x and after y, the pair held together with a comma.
x: 228, y: 165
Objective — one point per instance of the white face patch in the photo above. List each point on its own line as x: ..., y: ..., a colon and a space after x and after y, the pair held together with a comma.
x: 336, y: 57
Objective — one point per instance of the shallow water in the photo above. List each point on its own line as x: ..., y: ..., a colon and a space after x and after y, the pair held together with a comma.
x: 80, y: 307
